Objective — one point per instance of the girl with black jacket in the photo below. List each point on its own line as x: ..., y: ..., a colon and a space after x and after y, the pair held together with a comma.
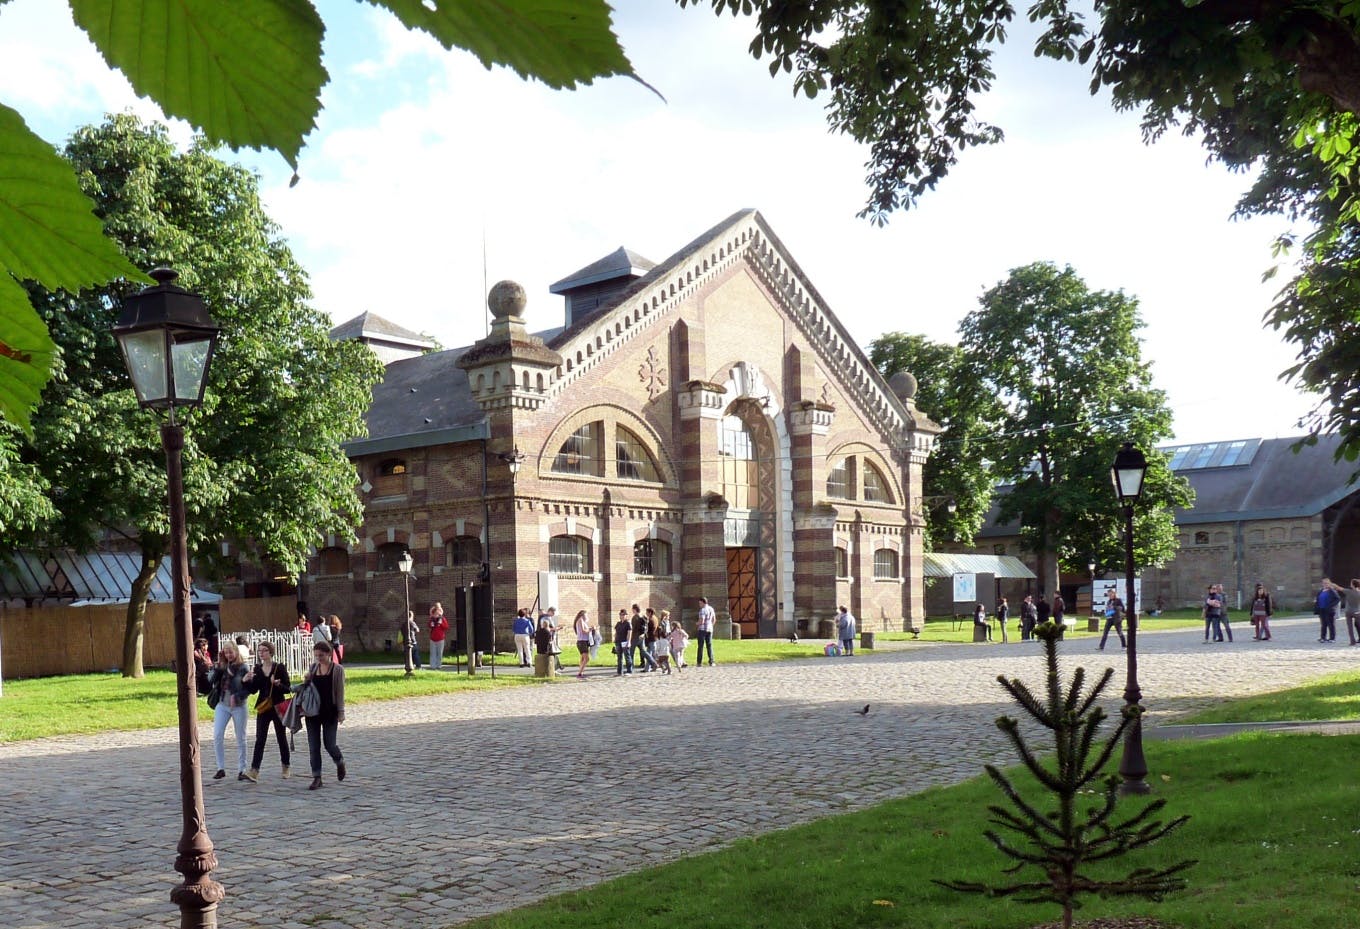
x: 268, y: 679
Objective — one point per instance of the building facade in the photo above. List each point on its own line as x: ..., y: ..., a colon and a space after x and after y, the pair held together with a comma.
x: 700, y: 428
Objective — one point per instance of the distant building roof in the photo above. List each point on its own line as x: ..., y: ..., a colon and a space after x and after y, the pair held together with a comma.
x: 617, y: 263
x: 97, y: 577
x: 945, y: 564
x: 421, y: 401
x: 371, y: 326
x: 1243, y: 480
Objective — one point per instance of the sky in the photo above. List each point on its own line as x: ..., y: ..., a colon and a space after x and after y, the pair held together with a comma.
x: 429, y: 178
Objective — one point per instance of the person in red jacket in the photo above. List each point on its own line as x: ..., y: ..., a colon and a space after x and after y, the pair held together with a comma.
x: 439, y: 627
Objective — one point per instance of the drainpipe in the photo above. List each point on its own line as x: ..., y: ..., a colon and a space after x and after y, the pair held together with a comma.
x: 1237, y: 559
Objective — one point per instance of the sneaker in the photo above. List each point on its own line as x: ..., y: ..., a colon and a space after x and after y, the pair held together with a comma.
x: 253, y: 775
x: 286, y: 775
x: 221, y: 774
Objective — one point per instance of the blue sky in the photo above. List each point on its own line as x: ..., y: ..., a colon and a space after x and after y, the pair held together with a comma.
x: 421, y: 156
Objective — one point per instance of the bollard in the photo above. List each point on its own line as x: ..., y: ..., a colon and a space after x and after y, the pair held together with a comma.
x: 866, y: 640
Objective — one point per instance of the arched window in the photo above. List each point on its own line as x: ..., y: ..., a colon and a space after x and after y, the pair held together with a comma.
x: 332, y: 560
x: 390, y: 480
x: 633, y: 461
x: 838, y: 481
x: 652, y: 557
x: 885, y: 564
x: 389, y: 554
x: 842, y: 562
x: 580, y: 454
x: 462, y: 551
x: 875, y: 485
x: 569, y: 554
x: 1201, y: 538
x: 737, y: 447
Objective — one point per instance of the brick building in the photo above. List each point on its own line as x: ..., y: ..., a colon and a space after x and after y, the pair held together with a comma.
x: 701, y: 427
x: 1262, y: 513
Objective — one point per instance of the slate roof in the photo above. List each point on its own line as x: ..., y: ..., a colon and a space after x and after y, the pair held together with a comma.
x: 1276, y: 483
x: 421, y: 401
x: 615, y: 264
x: 371, y: 325
x: 947, y: 564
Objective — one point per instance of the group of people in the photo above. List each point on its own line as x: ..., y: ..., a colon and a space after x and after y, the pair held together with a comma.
x: 1333, y: 599
x: 1216, y: 614
x: 326, y: 629
x: 1034, y: 611
x: 232, y: 679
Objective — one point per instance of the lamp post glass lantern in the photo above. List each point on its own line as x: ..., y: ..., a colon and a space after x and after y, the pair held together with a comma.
x: 167, y: 339
x: 1127, y: 473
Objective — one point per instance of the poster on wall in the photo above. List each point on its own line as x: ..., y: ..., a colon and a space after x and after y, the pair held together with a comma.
x: 965, y: 588
x: 1106, y: 584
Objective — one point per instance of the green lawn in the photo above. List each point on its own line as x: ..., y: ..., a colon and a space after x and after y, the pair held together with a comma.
x: 47, y: 706
x: 1336, y: 696
x: 942, y: 628
x: 1270, y: 845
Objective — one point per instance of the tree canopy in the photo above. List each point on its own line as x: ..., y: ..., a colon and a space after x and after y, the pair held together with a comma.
x: 263, y: 465
x: 1267, y: 84
x: 247, y: 74
x: 958, y: 472
x: 1065, y: 363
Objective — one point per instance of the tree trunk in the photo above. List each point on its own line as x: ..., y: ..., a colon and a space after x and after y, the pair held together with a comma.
x: 136, y: 614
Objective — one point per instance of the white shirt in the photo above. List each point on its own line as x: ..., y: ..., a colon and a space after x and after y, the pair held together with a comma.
x: 706, y: 618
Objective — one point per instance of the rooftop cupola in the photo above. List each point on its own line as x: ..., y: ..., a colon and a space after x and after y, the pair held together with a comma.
x: 599, y: 282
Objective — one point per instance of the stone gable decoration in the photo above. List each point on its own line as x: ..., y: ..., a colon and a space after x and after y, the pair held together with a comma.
x: 653, y: 374
x: 739, y: 359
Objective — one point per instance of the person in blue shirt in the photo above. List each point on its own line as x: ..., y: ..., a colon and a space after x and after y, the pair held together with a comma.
x: 523, y: 629
x: 1325, y: 608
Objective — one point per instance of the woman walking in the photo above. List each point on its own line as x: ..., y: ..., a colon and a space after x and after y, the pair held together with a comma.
x: 227, y: 695
x: 269, y: 680
x: 1262, y: 608
x: 329, y: 679
x: 582, y: 627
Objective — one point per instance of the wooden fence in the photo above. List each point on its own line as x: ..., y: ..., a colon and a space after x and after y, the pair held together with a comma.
x: 42, y: 641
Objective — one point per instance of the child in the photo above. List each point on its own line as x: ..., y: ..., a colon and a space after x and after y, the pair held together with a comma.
x: 679, y: 640
x: 661, y: 651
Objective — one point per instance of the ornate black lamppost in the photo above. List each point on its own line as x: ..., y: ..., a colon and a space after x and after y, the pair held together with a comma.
x: 404, y: 565
x: 1127, y: 473
x: 167, y: 339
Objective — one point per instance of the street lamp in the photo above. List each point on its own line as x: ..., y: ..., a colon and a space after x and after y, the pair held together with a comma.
x: 167, y: 339
x: 1092, y: 622
x: 513, y: 460
x: 404, y: 565
x: 1127, y: 473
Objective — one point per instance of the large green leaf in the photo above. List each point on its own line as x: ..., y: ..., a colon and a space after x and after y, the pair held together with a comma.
x: 246, y: 72
x: 48, y: 234
x: 25, y: 354
x: 562, y: 43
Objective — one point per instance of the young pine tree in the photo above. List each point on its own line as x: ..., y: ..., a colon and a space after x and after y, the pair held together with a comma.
x: 1061, y: 844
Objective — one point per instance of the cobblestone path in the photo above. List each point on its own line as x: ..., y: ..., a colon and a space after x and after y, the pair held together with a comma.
x: 455, y: 804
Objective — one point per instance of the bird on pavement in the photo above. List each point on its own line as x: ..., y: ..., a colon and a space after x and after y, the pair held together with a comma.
x: 863, y: 712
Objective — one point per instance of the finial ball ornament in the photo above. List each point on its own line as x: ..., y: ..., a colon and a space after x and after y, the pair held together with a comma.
x: 903, y: 384
x: 507, y: 298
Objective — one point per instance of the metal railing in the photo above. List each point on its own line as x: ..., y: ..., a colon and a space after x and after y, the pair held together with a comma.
x: 293, y: 648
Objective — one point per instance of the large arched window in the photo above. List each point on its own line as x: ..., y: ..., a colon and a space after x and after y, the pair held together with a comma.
x: 390, y: 479
x: 885, y: 564
x: 462, y: 551
x: 838, y: 481
x: 651, y: 557
x: 580, y: 454
x: 332, y: 560
x: 633, y: 461
x: 389, y: 555
x: 737, y: 446
x: 569, y: 554
x: 876, y: 488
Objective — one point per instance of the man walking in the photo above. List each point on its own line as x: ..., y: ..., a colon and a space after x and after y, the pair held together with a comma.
x: 703, y: 631
x: 623, y: 648
x: 640, y: 655
x: 1114, y: 618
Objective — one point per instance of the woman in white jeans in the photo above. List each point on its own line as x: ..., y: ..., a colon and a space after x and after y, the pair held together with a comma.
x: 227, y: 696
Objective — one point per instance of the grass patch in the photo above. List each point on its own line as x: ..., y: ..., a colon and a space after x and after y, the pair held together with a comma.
x: 88, y: 703
x: 1268, y: 843
x: 1336, y: 696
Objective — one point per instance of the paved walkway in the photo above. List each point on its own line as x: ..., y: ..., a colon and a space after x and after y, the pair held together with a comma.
x: 457, y: 806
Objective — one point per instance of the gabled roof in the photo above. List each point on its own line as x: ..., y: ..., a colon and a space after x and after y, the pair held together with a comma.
x: 616, y: 264
x: 368, y: 325
x: 421, y: 401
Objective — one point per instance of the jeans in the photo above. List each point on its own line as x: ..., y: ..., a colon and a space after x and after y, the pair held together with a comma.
x: 1227, y: 629
x: 641, y: 654
x: 624, y: 654
x: 523, y: 649
x: 263, y: 721
x: 847, y: 646
x: 704, y: 638
x: 1213, y: 621
x: 317, y: 731
x: 1328, y: 618
x: 437, y: 655
x: 238, y: 718
x: 1118, y: 626
x: 1353, y: 627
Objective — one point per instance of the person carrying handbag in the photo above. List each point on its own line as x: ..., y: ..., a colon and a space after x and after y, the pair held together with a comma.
x: 269, y: 680
x: 324, y: 712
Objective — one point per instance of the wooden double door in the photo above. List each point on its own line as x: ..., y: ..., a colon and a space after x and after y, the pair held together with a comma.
x: 743, y: 589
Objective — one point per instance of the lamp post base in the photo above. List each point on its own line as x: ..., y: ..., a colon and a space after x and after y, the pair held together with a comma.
x: 1133, y: 766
